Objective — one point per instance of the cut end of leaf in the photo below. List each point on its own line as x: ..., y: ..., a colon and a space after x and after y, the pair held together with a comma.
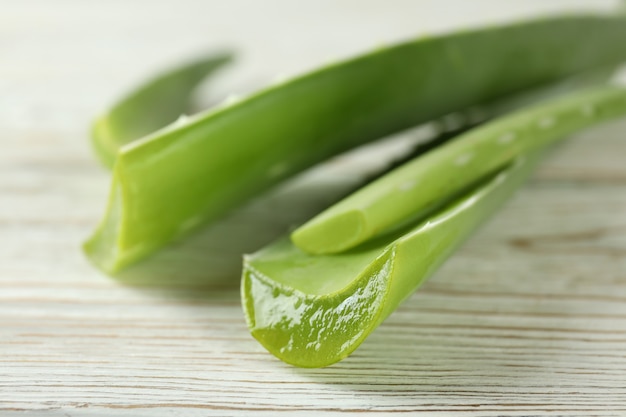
x: 331, y: 234
x: 103, y: 141
x: 107, y: 248
x: 101, y: 247
x: 312, y: 331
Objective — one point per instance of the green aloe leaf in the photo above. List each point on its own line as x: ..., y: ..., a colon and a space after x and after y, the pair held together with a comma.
x: 314, y: 310
x: 420, y: 186
x: 176, y: 179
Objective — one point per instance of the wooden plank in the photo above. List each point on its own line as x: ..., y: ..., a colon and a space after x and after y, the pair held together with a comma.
x: 529, y: 318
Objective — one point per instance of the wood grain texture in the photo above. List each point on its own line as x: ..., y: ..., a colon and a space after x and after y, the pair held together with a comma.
x: 529, y: 318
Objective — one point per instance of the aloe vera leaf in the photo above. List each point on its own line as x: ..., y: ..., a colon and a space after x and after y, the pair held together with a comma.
x: 150, y: 106
x: 419, y: 186
x: 176, y: 179
x: 313, y: 310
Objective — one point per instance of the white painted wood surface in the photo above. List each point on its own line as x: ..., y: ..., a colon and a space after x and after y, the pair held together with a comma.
x: 529, y: 318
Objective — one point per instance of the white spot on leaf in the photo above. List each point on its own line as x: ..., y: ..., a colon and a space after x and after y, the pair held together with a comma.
x: 231, y: 99
x: 182, y: 119
x: 508, y: 137
x: 546, y: 122
x: 407, y: 185
x: 588, y: 110
x: 463, y: 159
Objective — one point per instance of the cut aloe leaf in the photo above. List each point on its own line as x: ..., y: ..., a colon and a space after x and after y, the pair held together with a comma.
x: 151, y: 106
x: 186, y: 175
x: 419, y: 186
x: 313, y: 310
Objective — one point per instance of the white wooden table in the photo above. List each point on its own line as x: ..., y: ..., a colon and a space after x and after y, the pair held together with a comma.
x: 529, y: 318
